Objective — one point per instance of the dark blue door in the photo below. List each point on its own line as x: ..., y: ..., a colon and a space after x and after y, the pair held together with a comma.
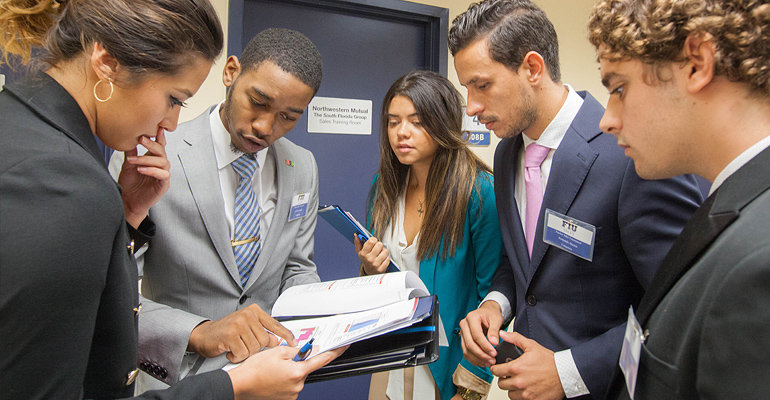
x: 365, y: 46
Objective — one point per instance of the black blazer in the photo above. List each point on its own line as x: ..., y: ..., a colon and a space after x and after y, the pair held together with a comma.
x: 68, y: 282
x: 708, y: 309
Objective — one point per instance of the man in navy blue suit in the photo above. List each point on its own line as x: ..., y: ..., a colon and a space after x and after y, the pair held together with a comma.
x: 583, y: 233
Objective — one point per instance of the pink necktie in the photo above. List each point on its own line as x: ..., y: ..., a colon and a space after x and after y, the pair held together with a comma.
x: 533, y: 157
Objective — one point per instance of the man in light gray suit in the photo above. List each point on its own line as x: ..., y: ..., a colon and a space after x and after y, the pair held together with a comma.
x: 199, y: 311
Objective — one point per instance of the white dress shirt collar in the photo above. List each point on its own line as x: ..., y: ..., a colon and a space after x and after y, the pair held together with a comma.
x: 555, y: 131
x: 223, y: 150
x: 738, y: 162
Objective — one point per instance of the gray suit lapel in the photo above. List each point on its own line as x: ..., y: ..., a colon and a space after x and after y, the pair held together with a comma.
x: 200, y: 168
x: 285, y: 182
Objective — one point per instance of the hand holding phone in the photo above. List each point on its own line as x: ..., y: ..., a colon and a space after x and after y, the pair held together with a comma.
x: 507, y: 352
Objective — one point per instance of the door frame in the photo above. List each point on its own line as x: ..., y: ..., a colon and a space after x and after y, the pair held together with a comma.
x: 435, y: 19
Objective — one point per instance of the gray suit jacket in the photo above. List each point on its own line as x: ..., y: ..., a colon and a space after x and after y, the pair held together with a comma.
x: 190, y: 274
x: 707, y: 311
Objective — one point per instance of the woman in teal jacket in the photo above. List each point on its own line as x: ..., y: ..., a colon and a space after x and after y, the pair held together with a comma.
x: 432, y: 205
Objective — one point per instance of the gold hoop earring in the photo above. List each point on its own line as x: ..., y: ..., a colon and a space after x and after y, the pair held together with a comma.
x: 112, y: 89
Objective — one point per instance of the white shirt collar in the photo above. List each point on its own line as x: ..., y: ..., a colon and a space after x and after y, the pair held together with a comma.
x: 555, y: 131
x: 738, y: 162
x: 221, y: 139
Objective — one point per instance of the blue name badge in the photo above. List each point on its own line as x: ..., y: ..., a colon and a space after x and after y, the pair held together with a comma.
x: 298, y: 206
x: 573, y: 236
x: 477, y: 138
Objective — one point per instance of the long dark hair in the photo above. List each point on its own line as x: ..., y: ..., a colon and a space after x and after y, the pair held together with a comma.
x: 144, y: 36
x: 453, y: 171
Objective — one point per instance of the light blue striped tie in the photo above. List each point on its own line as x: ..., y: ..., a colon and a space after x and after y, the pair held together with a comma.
x: 246, y: 243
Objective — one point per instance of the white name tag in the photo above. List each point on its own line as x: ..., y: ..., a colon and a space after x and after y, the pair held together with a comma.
x: 573, y: 236
x: 632, y: 348
x: 298, y: 206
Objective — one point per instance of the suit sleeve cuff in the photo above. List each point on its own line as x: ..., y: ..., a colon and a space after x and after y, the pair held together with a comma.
x: 464, y: 378
x: 570, y: 378
x: 505, y: 305
x: 143, y: 234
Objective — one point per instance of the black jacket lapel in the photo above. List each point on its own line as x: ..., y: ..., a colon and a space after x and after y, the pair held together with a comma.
x: 706, y: 224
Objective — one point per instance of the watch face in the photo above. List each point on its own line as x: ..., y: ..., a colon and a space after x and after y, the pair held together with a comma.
x: 468, y: 394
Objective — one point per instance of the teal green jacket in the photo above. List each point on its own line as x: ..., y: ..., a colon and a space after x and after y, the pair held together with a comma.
x: 462, y: 281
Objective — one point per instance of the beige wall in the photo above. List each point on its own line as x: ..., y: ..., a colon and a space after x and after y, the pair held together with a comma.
x: 578, y: 65
x: 578, y: 60
x: 212, y: 90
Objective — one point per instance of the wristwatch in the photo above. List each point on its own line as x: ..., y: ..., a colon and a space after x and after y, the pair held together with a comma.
x: 468, y: 394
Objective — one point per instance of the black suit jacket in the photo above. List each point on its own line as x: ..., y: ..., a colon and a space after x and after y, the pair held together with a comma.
x: 708, y: 309
x: 68, y: 282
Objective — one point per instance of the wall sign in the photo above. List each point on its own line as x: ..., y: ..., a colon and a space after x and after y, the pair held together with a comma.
x: 476, y: 133
x: 343, y: 116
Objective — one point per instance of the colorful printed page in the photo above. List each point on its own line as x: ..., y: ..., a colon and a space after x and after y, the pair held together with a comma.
x: 340, y: 330
x: 335, y: 331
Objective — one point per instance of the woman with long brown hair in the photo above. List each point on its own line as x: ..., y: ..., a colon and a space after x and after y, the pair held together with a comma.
x: 118, y: 70
x: 432, y: 204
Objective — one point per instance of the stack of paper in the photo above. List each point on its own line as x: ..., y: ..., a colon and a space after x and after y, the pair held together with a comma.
x: 389, y: 320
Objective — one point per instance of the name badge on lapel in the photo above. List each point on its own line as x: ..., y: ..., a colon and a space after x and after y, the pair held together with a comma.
x: 573, y: 236
x: 631, y: 351
x: 298, y: 206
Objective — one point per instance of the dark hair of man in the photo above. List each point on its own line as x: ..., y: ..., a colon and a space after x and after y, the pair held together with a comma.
x: 513, y: 28
x: 453, y: 171
x: 144, y: 36
x: 290, y: 50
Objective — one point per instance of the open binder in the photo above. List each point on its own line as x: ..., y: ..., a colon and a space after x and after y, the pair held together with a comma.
x: 406, y: 347
x: 389, y: 320
x: 348, y: 226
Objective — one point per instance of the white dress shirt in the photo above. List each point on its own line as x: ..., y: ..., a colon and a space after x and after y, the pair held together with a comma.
x: 405, y: 256
x: 738, y: 162
x: 263, y: 184
x: 571, y: 381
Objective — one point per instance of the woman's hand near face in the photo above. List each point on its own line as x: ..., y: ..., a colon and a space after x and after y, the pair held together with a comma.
x: 373, y: 255
x: 144, y: 179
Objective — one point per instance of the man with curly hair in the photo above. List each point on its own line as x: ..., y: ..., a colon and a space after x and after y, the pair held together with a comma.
x: 570, y: 308
x: 690, y: 93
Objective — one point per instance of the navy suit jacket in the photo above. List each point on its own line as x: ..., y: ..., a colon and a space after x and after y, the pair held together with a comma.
x: 563, y: 301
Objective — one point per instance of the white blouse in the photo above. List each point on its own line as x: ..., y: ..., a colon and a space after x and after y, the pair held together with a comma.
x: 406, y: 258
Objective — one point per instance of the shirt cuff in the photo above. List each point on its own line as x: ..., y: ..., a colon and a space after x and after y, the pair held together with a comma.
x: 463, y: 377
x: 143, y: 234
x: 570, y: 378
x: 505, y: 305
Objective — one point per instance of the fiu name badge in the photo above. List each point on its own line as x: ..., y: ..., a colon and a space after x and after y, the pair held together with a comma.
x: 573, y: 236
x: 298, y: 206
